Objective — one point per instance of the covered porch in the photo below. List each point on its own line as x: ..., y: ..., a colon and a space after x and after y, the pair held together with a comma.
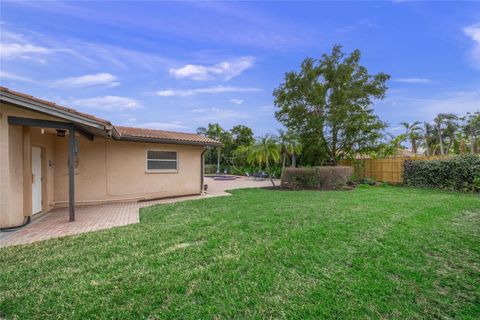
x: 39, y: 139
x: 40, y: 142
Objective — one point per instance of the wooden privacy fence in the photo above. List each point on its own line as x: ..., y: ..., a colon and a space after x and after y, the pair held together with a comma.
x: 384, y: 169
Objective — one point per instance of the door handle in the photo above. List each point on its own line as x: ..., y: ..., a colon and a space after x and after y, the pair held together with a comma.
x: 33, y: 178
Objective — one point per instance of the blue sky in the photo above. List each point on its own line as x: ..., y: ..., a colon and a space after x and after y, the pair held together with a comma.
x: 178, y: 66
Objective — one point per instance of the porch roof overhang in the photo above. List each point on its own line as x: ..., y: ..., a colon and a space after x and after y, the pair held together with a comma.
x: 29, y: 122
x: 48, y: 108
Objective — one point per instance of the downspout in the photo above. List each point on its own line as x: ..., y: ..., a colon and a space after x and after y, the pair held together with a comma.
x: 14, y: 228
x: 202, y: 165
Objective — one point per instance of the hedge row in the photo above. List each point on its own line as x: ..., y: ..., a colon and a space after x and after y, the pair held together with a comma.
x: 461, y: 173
x: 322, y: 178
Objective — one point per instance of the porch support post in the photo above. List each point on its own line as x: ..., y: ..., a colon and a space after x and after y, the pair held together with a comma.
x: 71, y: 174
x: 202, y: 171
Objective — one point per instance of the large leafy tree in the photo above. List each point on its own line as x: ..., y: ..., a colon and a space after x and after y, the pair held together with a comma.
x: 240, y: 136
x: 329, y: 104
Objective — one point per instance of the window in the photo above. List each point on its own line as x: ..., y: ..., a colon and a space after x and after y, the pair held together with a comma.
x: 162, y: 161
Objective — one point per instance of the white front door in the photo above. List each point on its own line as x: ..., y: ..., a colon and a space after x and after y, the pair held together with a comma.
x: 36, y: 180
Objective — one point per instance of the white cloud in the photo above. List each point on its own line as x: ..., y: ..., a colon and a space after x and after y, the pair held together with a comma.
x: 236, y: 101
x: 12, y: 76
x: 211, y: 90
x: 473, y: 32
x: 217, y: 114
x: 174, y: 125
x: 412, y: 80
x: 224, y: 70
x: 202, y: 110
x: 169, y: 93
x: 13, y: 50
x: 107, y: 103
x: 89, y: 80
x: 16, y: 48
x: 458, y: 102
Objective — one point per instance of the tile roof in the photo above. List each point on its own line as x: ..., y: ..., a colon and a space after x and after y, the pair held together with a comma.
x: 126, y: 133
x: 56, y: 106
x: 141, y: 133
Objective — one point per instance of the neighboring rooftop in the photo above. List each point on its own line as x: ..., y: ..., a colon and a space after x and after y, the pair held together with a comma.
x: 124, y: 133
x: 400, y: 153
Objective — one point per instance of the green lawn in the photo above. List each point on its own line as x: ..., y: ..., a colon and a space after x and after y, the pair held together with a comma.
x: 375, y: 252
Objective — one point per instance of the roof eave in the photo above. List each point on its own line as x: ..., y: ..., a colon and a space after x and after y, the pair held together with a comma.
x: 46, y: 109
x: 168, y: 141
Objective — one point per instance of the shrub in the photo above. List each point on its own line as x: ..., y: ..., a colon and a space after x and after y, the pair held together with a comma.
x: 210, y: 168
x: 275, y: 170
x: 365, y: 180
x: 457, y: 173
x: 321, y: 178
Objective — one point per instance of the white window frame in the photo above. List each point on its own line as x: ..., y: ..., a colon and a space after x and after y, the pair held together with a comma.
x: 161, y: 170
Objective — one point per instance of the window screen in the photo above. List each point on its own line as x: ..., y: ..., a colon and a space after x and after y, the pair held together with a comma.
x: 162, y: 160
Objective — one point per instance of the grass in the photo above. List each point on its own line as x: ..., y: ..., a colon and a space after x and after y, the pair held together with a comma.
x: 375, y: 252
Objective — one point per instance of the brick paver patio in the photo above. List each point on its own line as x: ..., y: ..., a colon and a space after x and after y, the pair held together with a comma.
x: 104, y: 216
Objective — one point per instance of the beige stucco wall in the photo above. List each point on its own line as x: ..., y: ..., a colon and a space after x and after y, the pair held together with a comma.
x: 11, y: 164
x: 116, y: 170
x: 107, y: 170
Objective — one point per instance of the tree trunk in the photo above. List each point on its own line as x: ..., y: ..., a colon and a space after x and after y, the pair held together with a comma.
x: 414, y: 146
x: 267, y: 168
x: 294, y: 160
x: 283, y: 162
x: 218, y: 160
x: 440, y: 140
x: 472, y: 143
x: 334, y: 161
x: 449, y: 147
x: 427, y: 147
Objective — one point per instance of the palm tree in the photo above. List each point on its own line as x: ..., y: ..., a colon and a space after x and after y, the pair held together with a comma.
x: 264, y: 151
x: 295, y: 149
x: 443, y: 121
x: 472, y: 130
x: 412, y: 131
x: 283, y: 145
x: 427, y: 136
x: 289, y: 146
x: 215, y: 131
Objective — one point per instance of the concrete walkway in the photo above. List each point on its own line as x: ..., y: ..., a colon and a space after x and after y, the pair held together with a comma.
x: 97, y: 217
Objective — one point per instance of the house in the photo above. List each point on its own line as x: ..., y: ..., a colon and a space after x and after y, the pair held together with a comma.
x: 52, y: 156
